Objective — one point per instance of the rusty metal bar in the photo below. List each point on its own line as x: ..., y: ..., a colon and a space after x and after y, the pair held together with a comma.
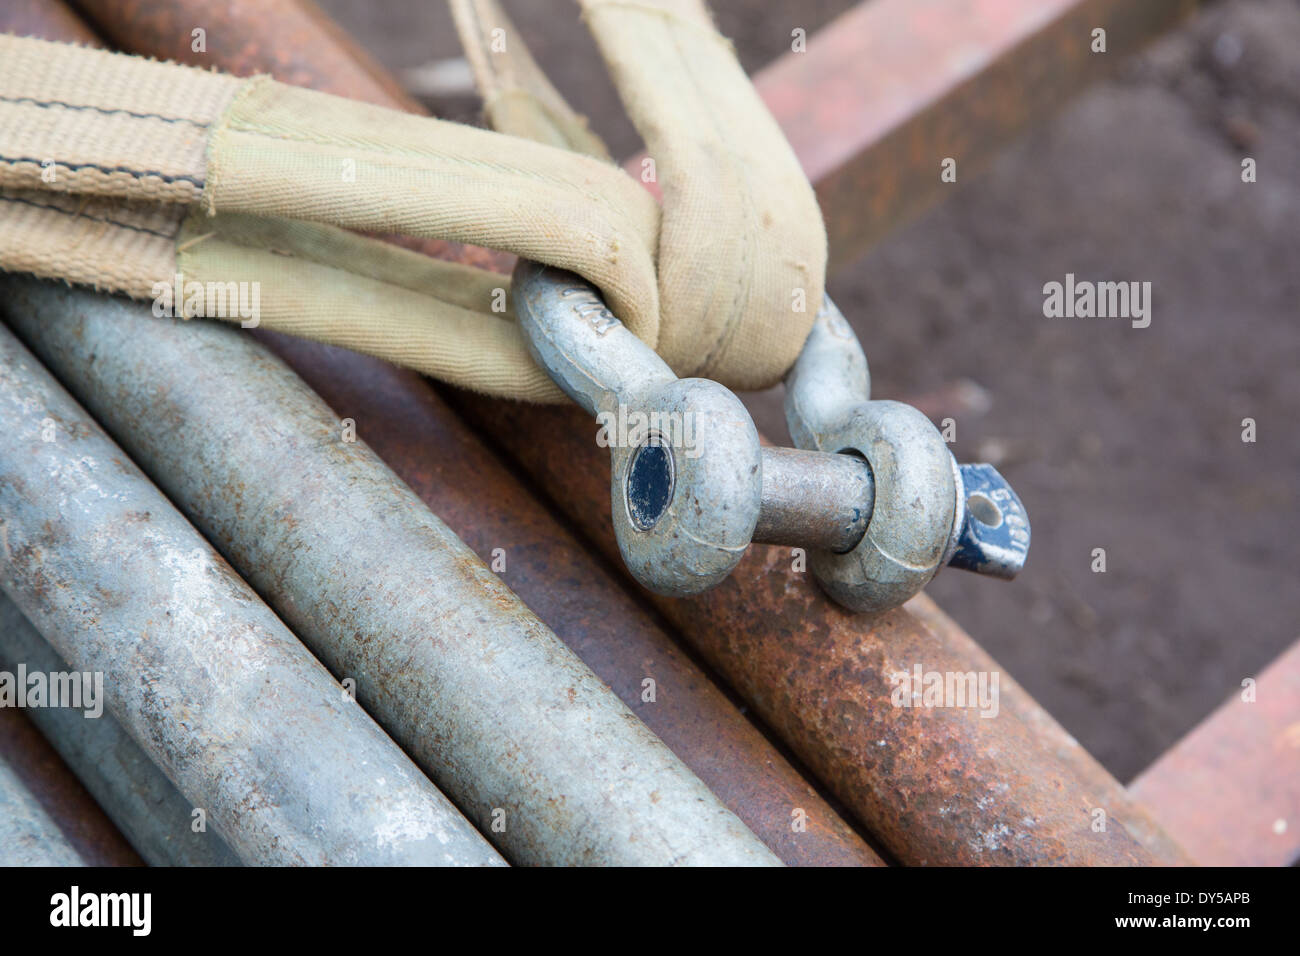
x: 892, y: 88
x: 505, y: 718
x: 145, y: 806
x: 938, y: 785
x: 61, y: 795
x: 207, y: 680
x: 834, y: 732
x: 399, y: 414
x: 1230, y: 789
x: 1104, y: 791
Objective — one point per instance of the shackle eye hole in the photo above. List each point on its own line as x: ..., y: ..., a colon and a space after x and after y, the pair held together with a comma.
x: 648, y: 489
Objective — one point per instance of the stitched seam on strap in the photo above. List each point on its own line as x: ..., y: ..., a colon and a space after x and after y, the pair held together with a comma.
x: 82, y: 215
x: 47, y: 104
x: 137, y: 174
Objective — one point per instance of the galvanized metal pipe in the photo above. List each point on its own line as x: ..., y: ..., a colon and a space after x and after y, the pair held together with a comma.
x: 28, y: 836
x: 453, y: 471
x: 814, y: 499
x: 136, y: 795
x: 530, y: 743
x: 207, y: 680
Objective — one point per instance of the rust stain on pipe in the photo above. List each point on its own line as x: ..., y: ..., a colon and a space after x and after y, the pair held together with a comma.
x: 399, y: 414
x: 935, y: 785
x: 780, y: 643
x: 49, y: 21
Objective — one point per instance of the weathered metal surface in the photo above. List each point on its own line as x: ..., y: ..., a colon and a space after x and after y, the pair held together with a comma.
x: 579, y: 482
x: 1102, y: 791
x: 690, y: 485
x: 813, y: 499
x: 61, y: 795
x: 410, y: 427
x: 275, y: 34
x: 28, y: 836
x: 686, y: 471
x: 541, y: 754
x: 1230, y: 789
x: 207, y: 680
x: 429, y: 447
x: 145, y: 806
x: 916, y: 498
x: 583, y: 487
x: 934, y: 785
x: 927, y: 511
x: 892, y: 88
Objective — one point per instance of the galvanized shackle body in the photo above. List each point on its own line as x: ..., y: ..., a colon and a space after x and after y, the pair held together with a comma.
x: 918, y: 495
x: 872, y: 490
x: 927, y: 512
x: 686, y: 473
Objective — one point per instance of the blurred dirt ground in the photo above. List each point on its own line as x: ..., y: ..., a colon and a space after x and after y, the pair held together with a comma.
x: 1117, y: 438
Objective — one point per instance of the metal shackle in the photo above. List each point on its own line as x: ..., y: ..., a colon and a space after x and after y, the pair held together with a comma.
x: 927, y: 510
x: 828, y: 408
x: 686, y: 471
x: 871, y: 490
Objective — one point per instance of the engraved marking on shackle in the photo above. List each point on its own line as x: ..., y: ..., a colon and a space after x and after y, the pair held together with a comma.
x: 591, y: 308
x: 1014, y: 518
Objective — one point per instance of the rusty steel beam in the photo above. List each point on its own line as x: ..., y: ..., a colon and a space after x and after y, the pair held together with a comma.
x: 1230, y: 789
x: 891, y: 88
x: 926, y: 814
x: 934, y: 785
x: 80, y: 823
x: 400, y: 415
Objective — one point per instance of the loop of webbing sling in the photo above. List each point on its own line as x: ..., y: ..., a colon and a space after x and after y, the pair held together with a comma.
x: 278, y: 169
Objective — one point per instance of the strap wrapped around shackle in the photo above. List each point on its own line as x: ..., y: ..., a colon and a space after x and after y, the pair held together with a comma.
x: 125, y: 173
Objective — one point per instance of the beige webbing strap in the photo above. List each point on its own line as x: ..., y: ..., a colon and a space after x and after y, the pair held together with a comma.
x: 102, y: 156
x: 517, y: 97
x: 328, y: 284
x: 742, y: 244
x: 111, y: 245
x: 298, y: 154
x: 84, y: 121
